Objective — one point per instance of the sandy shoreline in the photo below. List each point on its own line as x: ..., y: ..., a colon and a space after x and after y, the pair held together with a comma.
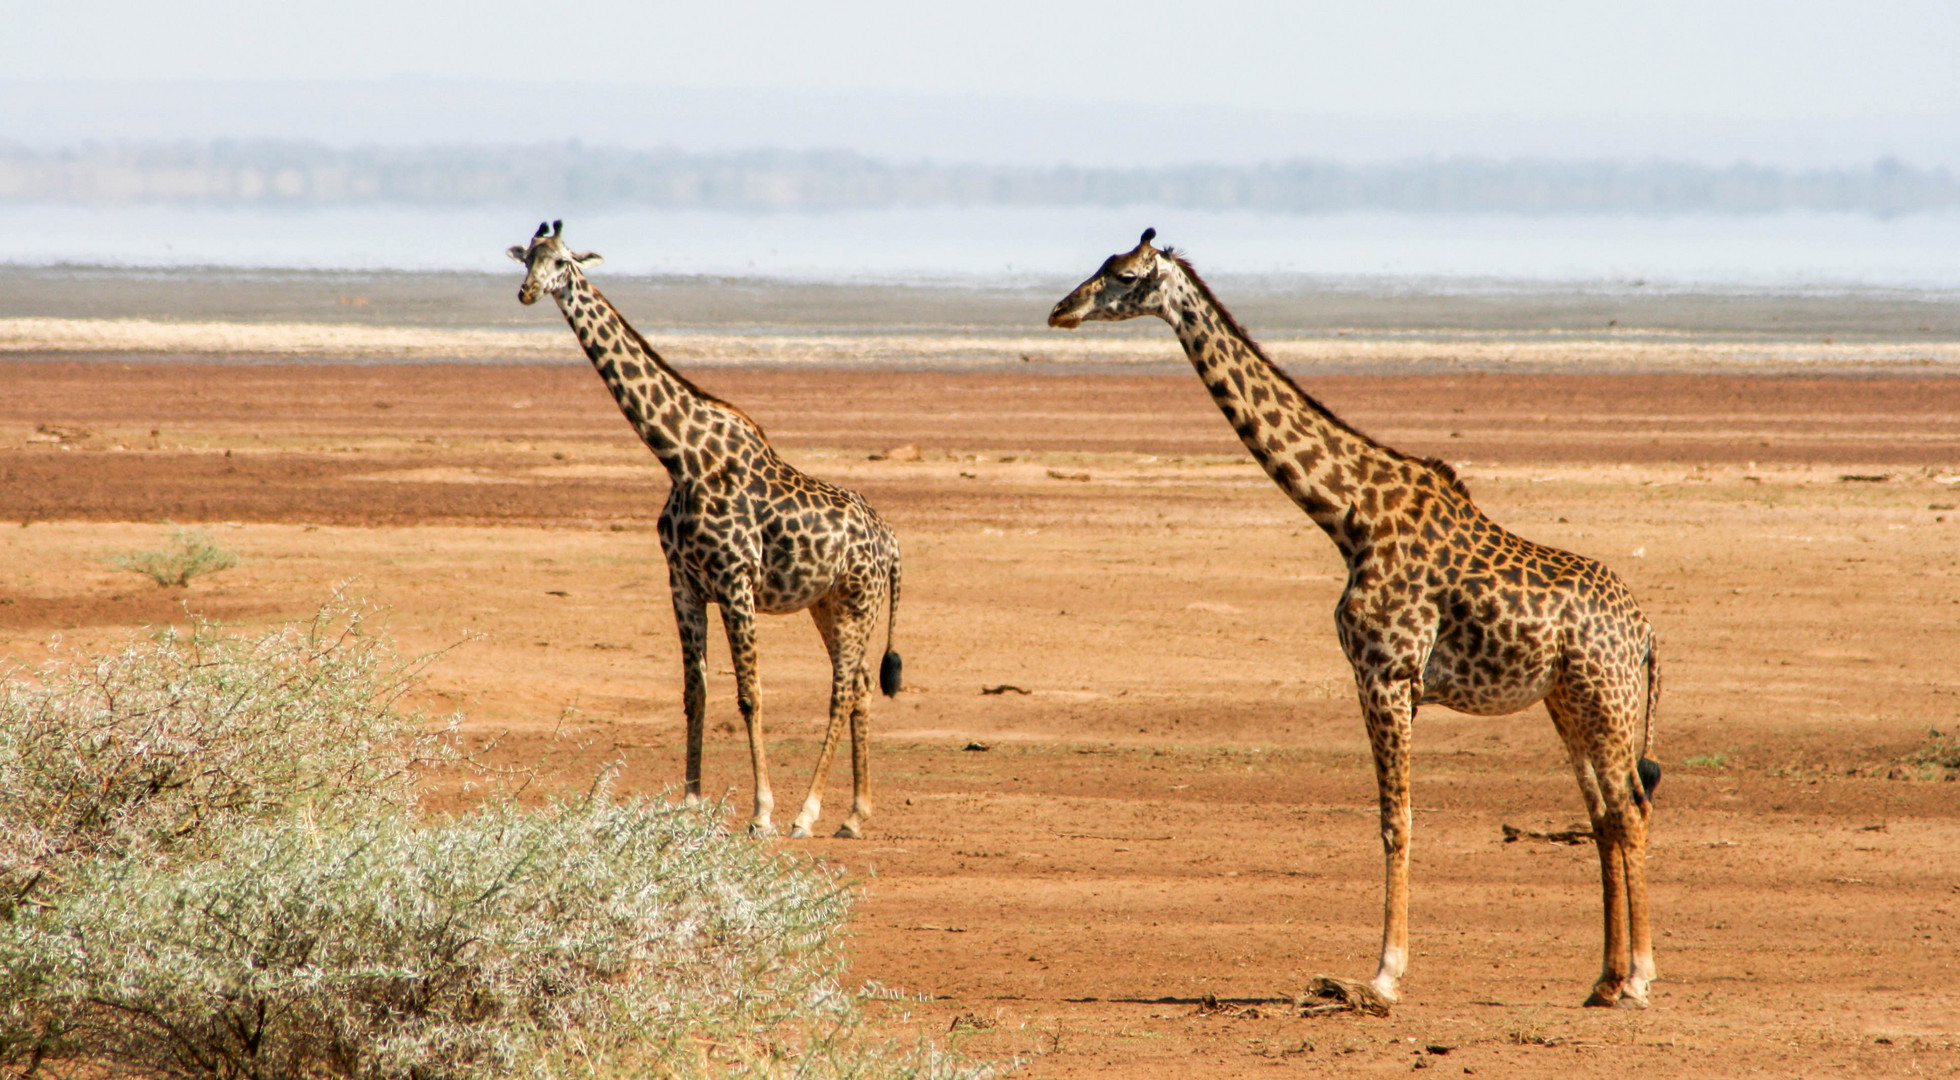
x: 1271, y: 307
x: 291, y: 316
x: 1632, y: 351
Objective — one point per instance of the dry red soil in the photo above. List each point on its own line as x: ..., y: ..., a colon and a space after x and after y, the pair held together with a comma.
x: 1181, y: 803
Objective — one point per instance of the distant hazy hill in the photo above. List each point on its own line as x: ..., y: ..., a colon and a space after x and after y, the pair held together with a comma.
x: 570, y: 175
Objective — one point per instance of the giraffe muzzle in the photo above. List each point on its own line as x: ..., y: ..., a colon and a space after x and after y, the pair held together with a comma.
x: 1063, y: 317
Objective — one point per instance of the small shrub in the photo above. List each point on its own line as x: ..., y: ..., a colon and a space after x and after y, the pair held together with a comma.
x: 221, y: 875
x: 1707, y: 761
x: 192, y: 553
x: 1938, y: 758
x: 385, y: 948
x: 149, y: 749
x: 589, y: 939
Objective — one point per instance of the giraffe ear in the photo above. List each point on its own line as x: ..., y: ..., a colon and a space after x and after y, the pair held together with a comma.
x: 588, y: 259
x: 517, y: 252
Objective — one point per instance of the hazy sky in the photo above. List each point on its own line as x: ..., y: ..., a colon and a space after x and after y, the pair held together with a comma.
x: 1790, y: 58
x: 1873, y: 75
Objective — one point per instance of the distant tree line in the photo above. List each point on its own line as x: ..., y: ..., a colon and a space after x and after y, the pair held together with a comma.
x: 572, y: 175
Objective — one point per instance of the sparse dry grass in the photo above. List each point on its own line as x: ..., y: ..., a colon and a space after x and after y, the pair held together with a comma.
x: 1938, y: 758
x: 191, y: 553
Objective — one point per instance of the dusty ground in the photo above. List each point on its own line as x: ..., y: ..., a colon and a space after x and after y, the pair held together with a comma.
x: 1181, y: 804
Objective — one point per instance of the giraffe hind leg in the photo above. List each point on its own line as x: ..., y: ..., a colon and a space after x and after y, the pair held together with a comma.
x: 853, y: 826
x: 844, y: 637
x: 824, y: 615
x: 1609, y: 776
x: 1628, y: 964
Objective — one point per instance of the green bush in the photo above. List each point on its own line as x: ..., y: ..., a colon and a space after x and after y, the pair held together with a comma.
x: 192, y: 553
x: 387, y: 948
x: 147, y: 750
x: 226, y: 879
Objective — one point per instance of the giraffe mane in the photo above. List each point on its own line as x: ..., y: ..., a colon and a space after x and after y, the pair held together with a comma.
x: 1436, y: 465
x: 1232, y: 324
x: 661, y: 362
x: 1448, y: 472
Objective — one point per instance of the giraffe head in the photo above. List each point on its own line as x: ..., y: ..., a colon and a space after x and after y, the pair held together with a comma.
x: 1128, y: 285
x: 551, y: 264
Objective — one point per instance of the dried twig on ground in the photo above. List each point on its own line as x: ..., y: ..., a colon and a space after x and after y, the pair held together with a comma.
x: 1578, y: 834
x: 1210, y: 1005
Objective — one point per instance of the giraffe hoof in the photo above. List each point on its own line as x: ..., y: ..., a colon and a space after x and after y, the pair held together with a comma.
x: 761, y: 829
x: 1606, y: 996
x: 799, y: 832
x: 847, y: 831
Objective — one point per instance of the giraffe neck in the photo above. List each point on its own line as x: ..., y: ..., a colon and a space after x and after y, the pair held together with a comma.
x: 1323, y: 465
x: 688, y: 430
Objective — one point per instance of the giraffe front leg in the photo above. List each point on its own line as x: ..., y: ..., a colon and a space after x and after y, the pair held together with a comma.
x: 738, y: 619
x: 692, y: 618
x: 1389, y: 708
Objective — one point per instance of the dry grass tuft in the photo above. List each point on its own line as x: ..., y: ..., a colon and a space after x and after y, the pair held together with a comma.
x: 1327, y: 994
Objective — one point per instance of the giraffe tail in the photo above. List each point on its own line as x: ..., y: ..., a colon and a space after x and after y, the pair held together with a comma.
x: 1650, y: 770
x: 891, y: 670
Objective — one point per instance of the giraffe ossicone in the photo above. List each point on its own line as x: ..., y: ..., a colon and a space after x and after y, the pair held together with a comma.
x: 1442, y: 605
x: 743, y: 530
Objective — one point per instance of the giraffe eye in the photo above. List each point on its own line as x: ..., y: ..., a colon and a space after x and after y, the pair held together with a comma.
x: 1127, y: 277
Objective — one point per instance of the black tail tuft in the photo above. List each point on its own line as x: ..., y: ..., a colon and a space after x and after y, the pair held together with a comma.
x: 1650, y: 777
x: 891, y: 674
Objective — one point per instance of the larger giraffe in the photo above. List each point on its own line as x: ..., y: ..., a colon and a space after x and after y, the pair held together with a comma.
x: 744, y: 530
x: 1442, y: 605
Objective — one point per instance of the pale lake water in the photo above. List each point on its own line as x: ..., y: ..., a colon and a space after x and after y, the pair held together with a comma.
x: 1798, y: 252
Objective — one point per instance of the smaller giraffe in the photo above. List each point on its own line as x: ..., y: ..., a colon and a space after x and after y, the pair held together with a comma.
x: 744, y: 530
x: 1442, y: 605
